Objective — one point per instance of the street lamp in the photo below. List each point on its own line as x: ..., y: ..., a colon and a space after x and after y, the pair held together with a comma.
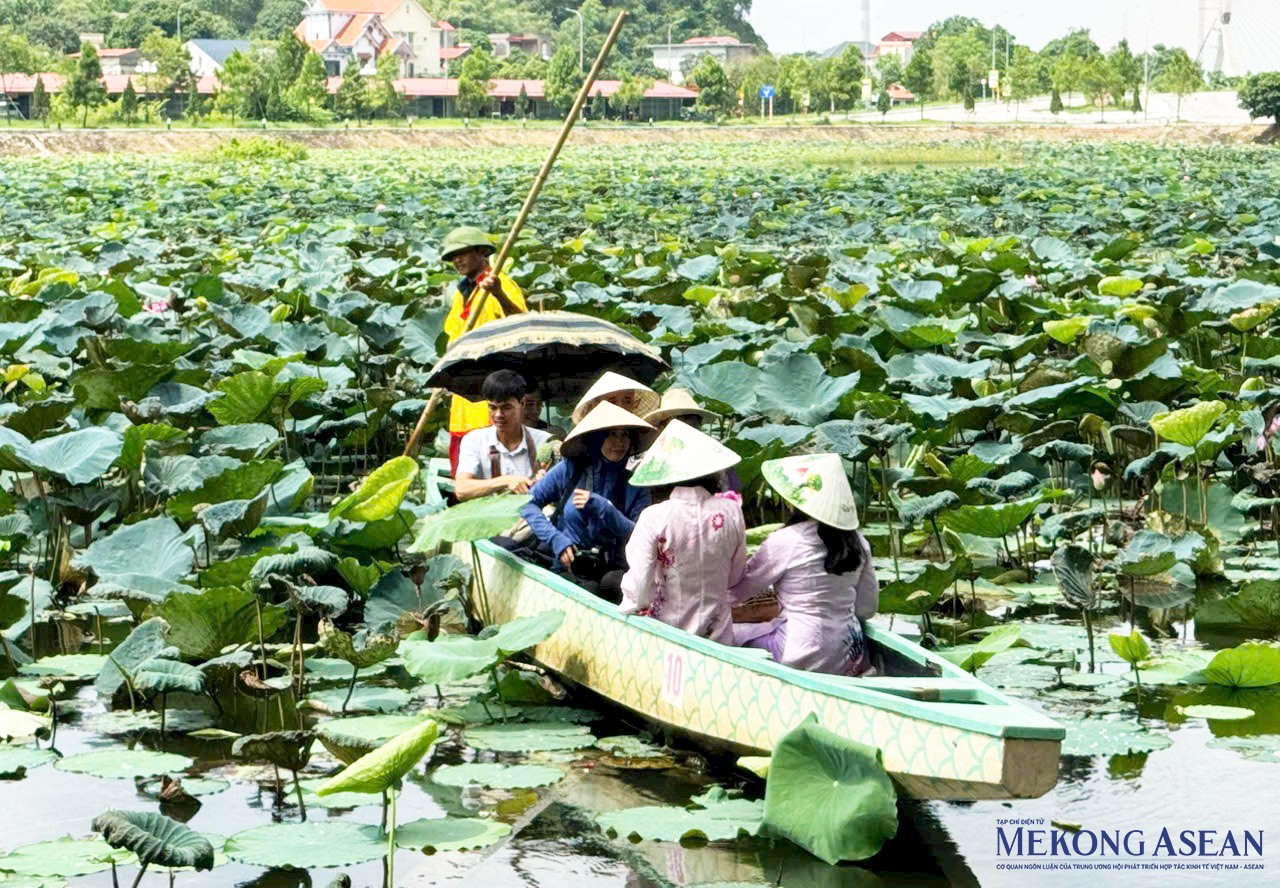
x: 578, y: 13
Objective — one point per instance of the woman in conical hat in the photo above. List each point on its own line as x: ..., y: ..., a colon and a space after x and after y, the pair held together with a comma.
x: 596, y: 506
x: 622, y: 391
x: 688, y: 549
x: 820, y: 567
x: 677, y: 403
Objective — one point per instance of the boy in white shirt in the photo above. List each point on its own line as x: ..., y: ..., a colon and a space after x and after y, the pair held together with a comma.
x: 503, y: 456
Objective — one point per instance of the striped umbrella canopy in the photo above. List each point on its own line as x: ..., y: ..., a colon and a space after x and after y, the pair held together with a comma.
x: 559, y: 351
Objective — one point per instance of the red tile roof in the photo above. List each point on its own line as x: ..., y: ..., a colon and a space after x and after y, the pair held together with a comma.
x: 444, y: 26
x: 376, y: 7
x: 900, y: 92
x: 711, y: 41
x: 455, y: 52
x: 902, y: 36
x: 352, y: 30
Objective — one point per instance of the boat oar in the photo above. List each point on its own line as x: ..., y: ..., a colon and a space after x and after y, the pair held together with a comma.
x: 411, y: 448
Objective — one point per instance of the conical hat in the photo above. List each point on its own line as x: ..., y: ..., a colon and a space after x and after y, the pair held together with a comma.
x: 604, y: 416
x: 612, y: 383
x: 677, y: 402
x: 816, y: 485
x: 682, y: 453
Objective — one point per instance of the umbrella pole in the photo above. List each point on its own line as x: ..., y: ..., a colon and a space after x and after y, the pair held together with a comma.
x: 411, y: 448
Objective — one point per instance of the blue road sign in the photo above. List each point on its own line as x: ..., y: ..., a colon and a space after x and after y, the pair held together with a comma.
x: 766, y: 91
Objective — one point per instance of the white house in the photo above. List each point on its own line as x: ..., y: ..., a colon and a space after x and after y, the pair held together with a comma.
x: 531, y: 44
x: 208, y: 56
x: 898, y: 43
x: 671, y: 57
x: 342, y: 30
x: 116, y: 62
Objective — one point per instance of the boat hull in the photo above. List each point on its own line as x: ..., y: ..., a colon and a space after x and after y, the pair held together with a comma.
x: 945, y: 736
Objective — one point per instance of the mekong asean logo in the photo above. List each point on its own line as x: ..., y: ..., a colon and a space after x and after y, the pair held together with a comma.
x: 1033, y: 844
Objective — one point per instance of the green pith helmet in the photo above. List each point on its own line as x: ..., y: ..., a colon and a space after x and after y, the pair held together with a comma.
x: 466, y: 237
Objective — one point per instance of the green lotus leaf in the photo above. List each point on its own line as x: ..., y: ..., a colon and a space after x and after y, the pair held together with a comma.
x: 66, y: 666
x: 79, y: 457
x: 1250, y: 665
x: 193, y: 786
x: 1122, y: 287
x: 450, y: 834
x: 903, y: 595
x: 497, y: 775
x: 64, y: 858
x: 627, y: 746
x: 1096, y: 736
x: 202, y: 624
x: 528, y: 737
x: 334, y: 800
x: 812, y: 770
x: 290, y: 750
x: 1189, y: 425
x: 114, y: 559
x: 15, y: 761
x: 393, y: 594
x: 476, y: 519
x: 234, y: 518
x: 316, y: 843
x: 155, y: 838
x: 333, y: 669
x: 1217, y: 713
x: 1067, y: 330
x: 145, y: 641
x: 924, y: 508
x: 1255, y: 606
x: 246, y: 397
x: 1148, y: 553
x: 525, y: 632
x: 1073, y: 569
x: 364, y: 698
x: 1131, y: 648
x: 124, y: 763
x: 245, y: 481
x: 248, y: 441
x: 799, y: 389
x: 972, y: 656
x: 993, y: 522
x: 379, y: 496
x: 350, y: 738
x: 384, y: 767
x: 160, y: 676
x: 302, y: 559
x: 448, y: 658
x: 360, y: 650
x: 176, y: 721
x: 717, y: 817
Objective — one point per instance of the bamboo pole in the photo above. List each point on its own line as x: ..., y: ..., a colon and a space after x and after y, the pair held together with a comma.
x: 584, y: 91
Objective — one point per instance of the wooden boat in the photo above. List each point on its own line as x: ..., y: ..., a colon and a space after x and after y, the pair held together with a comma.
x: 943, y: 733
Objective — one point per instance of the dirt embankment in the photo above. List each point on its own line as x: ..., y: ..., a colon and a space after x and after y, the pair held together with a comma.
x: 61, y: 142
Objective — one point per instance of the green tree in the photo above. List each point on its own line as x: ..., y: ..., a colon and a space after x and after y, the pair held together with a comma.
x: 39, y: 101
x: 716, y: 94
x: 243, y: 87
x: 171, y: 63
x: 883, y: 103
x: 795, y: 77
x: 968, y: 101
x: 84, y: 88
x: 1055, y: 102
x: 1021, y: 81
x: 630, y: 94
x: 563, y: 79
x: 959, y: 62
x: 1127, y: 69
x: 16, y: 57
x: 845, y: 78
x: 749, y: 75
x: 889, y: 70
x: 352, y: 98
x: 275, y: 17
x: 128, y: 103
x: 387, y: 99
x: 1181, y: 75
x: 1098, y: 79
x: 473, y: 83
x: 919, y: 76
x: 1260, y: 95
x: 145, y: 16
x: 1068, y: 73
x: 309, y: 88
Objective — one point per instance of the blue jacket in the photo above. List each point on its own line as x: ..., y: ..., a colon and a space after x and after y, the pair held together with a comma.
x: 614, y: 505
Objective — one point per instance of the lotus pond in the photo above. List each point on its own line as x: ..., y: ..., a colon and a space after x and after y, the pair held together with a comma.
x: 1055, y: 384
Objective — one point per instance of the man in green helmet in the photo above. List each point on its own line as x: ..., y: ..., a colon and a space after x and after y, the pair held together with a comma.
x: 469, y: 249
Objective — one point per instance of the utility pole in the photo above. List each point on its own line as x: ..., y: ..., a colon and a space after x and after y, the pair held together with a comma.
x: 578, y: 13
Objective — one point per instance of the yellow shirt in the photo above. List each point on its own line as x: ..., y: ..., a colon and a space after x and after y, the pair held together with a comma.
x: 466, y: 415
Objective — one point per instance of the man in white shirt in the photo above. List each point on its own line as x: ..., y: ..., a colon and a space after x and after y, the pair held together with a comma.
x: 503, y: 456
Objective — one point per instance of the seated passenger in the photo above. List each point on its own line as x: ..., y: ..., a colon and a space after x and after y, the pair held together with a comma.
x: 677, y: 403
x: 689, y: 549
x: 502, y: 456
x: 596, y: 506
x: 533, y: 417
x: 820, y: 567
x: 622, y: 391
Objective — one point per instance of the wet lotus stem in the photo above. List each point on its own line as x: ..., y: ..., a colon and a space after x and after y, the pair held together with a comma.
x: 351, y: 687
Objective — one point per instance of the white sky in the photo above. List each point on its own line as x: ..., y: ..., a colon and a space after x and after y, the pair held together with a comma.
x: 800, y: 25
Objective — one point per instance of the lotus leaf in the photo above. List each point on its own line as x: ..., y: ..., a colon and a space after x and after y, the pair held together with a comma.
x: 995, y: 521
x: 525, y: 632
x: 475, y: 519
x: 155, y: 838
x: 384, y: 767
x: 362, y: 699
x: 159, y: 676
x: 1217, y: 713
x: 170, y: 556
x: 496, y: 775
x: 1073, y: 569
x: 145, y: 641
x: 202, y: 624
x: 317, y: 843
x: 290, y: 750
x: 65, y: 857
x: 1131, y: 648
x: 248, y: 441
x: 449, y: 834
x: 333, y: 669
x: 813, y: 769
x: 1190, y: 425
x: 244, y: 481
x: 15, y: 761
x: 66, y: 666
x: 529, y: 737
x: 448, y: 658
x: 1096, y: 736
x: 124, y: 763
x: 395, y: 595
x: 903, y: 596
x: 350, y: 738
x: 379, y: 496
x: 193, y: 786
x: 1259, y: 749
x: 360, y: 650
x: 1148, y: 553
x: 234, y: 518
x: 176, y: 721
x: 798, y: 388
x: 301, y: 559
x: 1250, y: 665
x: 972, y: 656
x: 714, y: 816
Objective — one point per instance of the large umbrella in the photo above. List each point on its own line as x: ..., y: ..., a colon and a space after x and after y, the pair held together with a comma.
x: 559, y: 351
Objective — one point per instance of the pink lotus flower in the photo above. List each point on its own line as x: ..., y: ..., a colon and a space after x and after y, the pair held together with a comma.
x: 158, y: 307
x: 1031, y: 281
x: 1099, y: 479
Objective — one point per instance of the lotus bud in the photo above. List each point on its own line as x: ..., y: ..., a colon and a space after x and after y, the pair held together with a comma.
x: 280, y: 313
x: 984, y: 387
x: 201, y: 303
x: 1101, y: 474
x: 1253, y: 384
